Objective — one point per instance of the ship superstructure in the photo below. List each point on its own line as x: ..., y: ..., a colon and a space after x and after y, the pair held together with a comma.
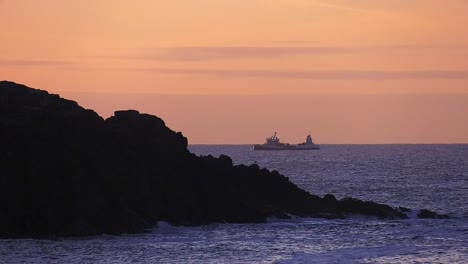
x: 274, y: 143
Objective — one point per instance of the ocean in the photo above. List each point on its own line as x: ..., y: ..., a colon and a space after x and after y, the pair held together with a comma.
x: 433, y: 177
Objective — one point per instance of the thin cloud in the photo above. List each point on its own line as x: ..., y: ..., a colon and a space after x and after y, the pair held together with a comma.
x: 8, y: 62
x: 356, y: 8
x: 210, y: 53
x: 319, y: 75
x: 206, y: 53
x: 198, y: 53
x: 223, y: 52
x: 341, y: 7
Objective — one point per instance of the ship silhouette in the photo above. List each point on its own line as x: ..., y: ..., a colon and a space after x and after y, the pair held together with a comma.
x: 274, y: 143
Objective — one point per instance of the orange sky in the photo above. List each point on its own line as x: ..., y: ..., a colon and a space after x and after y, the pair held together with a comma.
x: 225, y: 71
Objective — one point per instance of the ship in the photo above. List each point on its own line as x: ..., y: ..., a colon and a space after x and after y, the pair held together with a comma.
x: 274, y: 143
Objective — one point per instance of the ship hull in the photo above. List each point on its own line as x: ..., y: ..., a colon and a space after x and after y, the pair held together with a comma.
x: 286, y: 147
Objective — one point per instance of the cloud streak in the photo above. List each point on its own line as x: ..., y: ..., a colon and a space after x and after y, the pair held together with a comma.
x: 340, y: 7
x: 320, y: 75
x: 210, y: 53
x: 9, y: 62
x: 206, y: 53
x: 199, y: 53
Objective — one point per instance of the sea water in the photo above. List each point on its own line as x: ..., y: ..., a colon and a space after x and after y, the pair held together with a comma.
x: 434, y: 177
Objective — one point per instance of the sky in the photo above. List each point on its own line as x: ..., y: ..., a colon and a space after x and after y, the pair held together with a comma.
x: 234, y: 72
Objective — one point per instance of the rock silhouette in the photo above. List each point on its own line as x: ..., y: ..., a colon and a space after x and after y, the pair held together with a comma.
x: 65, y: 171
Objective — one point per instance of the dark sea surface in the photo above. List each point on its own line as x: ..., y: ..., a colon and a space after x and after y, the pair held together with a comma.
x: 434, y: 177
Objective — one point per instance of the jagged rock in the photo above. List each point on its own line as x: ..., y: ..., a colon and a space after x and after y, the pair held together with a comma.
x: 355, y: 206
x: 425, y: 214
x: 404, y: 209
x: 64, y: 171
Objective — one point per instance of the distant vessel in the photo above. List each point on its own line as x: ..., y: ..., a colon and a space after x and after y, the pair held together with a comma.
x: 273, y: 143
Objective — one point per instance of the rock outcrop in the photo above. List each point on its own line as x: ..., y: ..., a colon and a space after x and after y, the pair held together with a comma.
x: 65, y: 171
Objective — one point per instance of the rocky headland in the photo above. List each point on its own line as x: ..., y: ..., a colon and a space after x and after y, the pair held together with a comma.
x: 65, y: 171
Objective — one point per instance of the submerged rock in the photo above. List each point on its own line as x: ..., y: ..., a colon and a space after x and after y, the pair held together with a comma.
x: 65, y: 171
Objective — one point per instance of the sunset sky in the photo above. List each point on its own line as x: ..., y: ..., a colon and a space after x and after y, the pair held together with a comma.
x: 234, y: 71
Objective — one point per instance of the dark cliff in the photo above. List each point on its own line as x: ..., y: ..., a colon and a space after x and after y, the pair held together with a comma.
x: 66, y: 171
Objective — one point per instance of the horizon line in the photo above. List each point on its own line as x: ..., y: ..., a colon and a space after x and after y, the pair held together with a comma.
x: 321, y: 144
